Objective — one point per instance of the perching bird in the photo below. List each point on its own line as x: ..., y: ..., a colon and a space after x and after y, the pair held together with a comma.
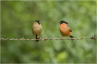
x: 65, y: 29
x: 37, y: 29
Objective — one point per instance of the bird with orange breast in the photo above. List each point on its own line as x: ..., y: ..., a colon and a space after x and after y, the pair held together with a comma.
x: 65, y: 29
x: 37, y: 29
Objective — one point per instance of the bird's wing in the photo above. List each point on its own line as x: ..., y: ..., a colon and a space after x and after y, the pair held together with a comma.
x: 69, y: 27
x: 70, y: 30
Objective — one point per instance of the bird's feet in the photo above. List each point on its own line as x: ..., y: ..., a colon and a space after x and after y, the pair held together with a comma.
x: 62, y: 38
x: 69, y: 38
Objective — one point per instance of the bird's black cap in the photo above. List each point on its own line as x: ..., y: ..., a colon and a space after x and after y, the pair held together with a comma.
x: 38, y: 21
x: 63, y: 22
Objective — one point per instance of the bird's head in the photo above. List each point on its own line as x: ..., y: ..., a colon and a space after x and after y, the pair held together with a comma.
x: 38, y: 21
x: 63, y: 22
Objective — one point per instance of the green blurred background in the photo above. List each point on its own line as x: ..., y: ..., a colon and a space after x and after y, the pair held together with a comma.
x: 18, y: 17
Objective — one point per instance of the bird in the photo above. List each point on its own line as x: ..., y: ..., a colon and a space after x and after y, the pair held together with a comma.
x: 37, y: 29
x: 65, y: 29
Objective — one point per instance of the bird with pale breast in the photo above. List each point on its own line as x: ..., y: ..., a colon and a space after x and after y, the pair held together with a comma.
x: 37, y: 29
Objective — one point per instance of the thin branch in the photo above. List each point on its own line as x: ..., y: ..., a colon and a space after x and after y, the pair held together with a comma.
x: 22, y: 39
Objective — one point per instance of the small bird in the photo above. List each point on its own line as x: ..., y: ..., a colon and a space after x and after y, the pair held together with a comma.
x: 37, y: 29
x: 65, y: 29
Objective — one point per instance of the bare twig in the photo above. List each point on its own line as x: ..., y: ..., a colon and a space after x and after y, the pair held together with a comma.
x: 45, y: 39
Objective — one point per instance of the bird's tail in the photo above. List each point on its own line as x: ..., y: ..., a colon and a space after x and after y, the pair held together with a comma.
x: 37, y: 38
x: 71, y: 36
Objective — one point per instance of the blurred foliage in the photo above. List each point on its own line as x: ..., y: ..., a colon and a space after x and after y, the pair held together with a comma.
x: 18, y: 17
